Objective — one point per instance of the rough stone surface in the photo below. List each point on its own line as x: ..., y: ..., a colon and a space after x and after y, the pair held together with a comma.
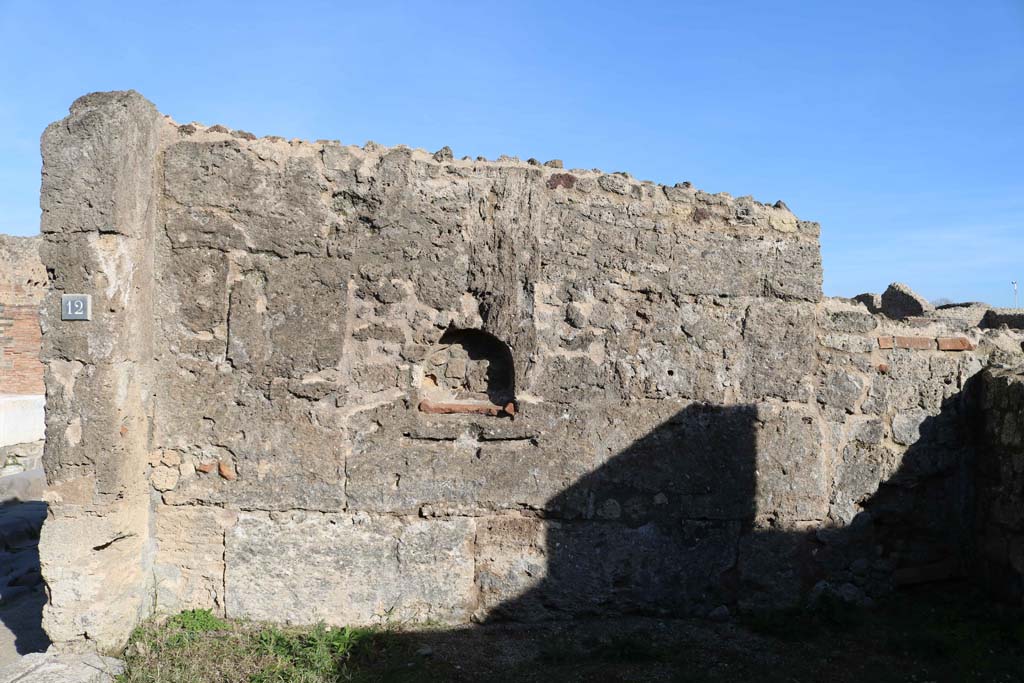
x: 55, y: 667
x: 900, y: 301
x: 21, y: 457
x: 1009, y: 317
x: 873, y: 302
x: 99, y: 214
x: 353, y: 568
x: 1000, y: 467
x: 648, y: 407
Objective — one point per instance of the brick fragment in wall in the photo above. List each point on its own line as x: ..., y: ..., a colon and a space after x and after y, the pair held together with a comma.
x: 955, y: 344
x: 915, y: 343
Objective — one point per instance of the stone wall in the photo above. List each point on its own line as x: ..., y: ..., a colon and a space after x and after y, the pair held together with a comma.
x: 896, y: 398
x: 100, y: 208
x: 22, y: 283
x: 1000, y: 509
x: 349, y: 383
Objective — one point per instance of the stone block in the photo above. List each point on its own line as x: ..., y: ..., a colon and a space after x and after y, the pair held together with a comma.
x: 792, y: 474
x: 906, y: 426
x: 779, y: 340
x: 189, y: 565
x: 846, y: 320
x: 610, y: 568
x: 57, y: 667
x: 306, y: 567
x: 899, y: 302
x: 236, y: 200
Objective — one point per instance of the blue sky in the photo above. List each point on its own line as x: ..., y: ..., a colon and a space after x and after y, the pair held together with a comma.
x: 899, y: 125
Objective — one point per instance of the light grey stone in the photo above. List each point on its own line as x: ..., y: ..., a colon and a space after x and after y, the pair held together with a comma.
x: 906, y: 426
x: 54, y: 667
x: 349, y: 569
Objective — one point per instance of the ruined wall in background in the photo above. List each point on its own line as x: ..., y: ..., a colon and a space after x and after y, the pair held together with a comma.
x: 1000, y: 468
x: 896, y: 395
x: 337, y: 383
x: 22, y: 284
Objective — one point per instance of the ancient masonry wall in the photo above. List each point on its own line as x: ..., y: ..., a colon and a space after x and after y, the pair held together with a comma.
x: 343, y: 383
x: 1000, y: 468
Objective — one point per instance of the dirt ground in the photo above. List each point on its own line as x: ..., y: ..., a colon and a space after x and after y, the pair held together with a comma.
x: 942, y: 633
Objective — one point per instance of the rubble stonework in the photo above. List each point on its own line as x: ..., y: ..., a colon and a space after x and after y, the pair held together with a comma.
x: 340, y: 383
x: 900, y: 301
x: 1000, y: 481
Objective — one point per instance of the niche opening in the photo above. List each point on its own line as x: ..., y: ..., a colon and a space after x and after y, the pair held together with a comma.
x: 469, y: 371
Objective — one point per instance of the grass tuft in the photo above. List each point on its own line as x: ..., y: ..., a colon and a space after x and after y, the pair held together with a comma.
x: 197, y: 621
x: 196, y: 646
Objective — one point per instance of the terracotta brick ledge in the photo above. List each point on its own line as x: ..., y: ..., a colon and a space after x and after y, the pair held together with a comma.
x: 509, y: 409
x: 925, y: 343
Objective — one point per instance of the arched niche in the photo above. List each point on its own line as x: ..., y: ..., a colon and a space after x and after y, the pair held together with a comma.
x: 468, y: 371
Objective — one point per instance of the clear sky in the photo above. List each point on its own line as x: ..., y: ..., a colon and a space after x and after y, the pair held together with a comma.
x: 899, y: 125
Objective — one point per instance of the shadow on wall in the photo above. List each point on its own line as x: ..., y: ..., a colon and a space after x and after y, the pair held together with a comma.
x: 22, y: 594
x: 670, y: 528
x: 667, y: 527
x: 655, y: 529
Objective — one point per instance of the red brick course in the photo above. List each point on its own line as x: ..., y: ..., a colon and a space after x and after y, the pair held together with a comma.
x: 917, y: 343
x: 925, y: 343
x: 955, y: 344
x: 21, y: 372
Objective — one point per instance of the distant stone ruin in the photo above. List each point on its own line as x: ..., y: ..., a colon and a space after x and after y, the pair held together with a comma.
x: 22, y: 286
x: 327, y: 382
